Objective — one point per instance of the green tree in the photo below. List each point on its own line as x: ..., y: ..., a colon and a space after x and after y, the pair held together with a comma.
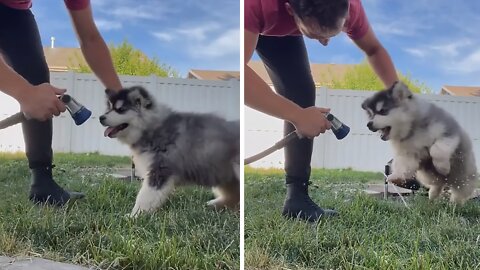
x: 362, y: 77
x: 130, y: 61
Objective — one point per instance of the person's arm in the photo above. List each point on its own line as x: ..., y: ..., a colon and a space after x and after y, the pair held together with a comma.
x: 258, y: 95
x: 94, y: 49
x: 39, y: 101
x: 309, y: 122
x: 11, y: 83
x: 378, y: 57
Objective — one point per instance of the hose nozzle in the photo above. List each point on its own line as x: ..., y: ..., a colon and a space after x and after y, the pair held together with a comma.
x: 338, y: 128
x: 79, y: 113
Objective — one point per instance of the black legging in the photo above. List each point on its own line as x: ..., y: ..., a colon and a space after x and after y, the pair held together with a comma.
x: 21, y: 48
x: 287, y: 64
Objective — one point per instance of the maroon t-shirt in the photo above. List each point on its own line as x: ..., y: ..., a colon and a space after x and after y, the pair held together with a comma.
x: 26, y: 4
x: 270, y: 18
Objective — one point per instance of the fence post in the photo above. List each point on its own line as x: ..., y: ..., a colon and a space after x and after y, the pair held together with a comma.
x: 319, y: 144
x: 71, y: 91
x: 153, y: 82
x: 234, y: 97
x: 71, y: 82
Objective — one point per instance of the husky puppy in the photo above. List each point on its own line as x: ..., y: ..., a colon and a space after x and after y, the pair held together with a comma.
x: 427, y: 141
x: 172, y: 148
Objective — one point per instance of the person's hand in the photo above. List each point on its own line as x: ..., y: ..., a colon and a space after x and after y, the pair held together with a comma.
x: 311, y: 122
x: 41, y: 102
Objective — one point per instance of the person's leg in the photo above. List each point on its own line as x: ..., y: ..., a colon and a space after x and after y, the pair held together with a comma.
x: 287, y: 64
x: 21, y: 47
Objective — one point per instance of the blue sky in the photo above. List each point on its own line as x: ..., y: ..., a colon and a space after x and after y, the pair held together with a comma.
x: 437, y: 42
x: 187, y: 34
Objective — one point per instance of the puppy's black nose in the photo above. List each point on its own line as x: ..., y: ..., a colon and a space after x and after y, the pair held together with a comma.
x: 370, y: 126
x: 102, y: 118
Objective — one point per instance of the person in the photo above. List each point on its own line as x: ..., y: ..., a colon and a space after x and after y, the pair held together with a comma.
x: 274, y: 29
x: 24, y: 75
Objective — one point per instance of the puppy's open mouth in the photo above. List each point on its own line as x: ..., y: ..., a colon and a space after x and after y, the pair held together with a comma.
x: 385, y: 133
x: 112, y: 131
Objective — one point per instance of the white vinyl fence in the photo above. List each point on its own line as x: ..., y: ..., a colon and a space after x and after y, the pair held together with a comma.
x: 220, y: 97
x: 361, y: 149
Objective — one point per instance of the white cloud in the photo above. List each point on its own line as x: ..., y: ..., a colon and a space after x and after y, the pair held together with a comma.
x: 163, y: 36
x: 135, y: 10
x: 446, y: 49
x: 204, y: 41
x: 228, y: 43
x: 469, y: 63
x: 133, y: 13
x: 453, y: 48
x: 416, y: 52
x: 188, y: 33
x: 403, y: 27
x: 198, y: 33
x: 108, y: 24
x: 384, y: 29
x: 455, y: 57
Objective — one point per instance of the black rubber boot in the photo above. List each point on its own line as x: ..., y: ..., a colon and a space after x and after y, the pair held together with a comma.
x: 298, y: 204
x: 45, y: 190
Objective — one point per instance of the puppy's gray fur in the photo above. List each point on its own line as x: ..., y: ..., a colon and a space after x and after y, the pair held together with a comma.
x: 172, y: 148
x: 427, y: 142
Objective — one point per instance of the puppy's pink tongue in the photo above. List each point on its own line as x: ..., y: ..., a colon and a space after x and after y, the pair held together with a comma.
x: 108, y: 131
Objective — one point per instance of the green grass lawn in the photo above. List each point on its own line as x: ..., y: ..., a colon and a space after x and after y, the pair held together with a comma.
x: 184, y: 234
x: 370, y: 233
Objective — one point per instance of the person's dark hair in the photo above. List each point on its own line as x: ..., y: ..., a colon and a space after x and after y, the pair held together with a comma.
x: 326, y: 12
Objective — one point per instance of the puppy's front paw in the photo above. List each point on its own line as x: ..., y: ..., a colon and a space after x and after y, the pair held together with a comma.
x: 217, y: 204
x: 394, y: 178
x: 134, y: 213
x: 442, y: 166
x: 129, y: 216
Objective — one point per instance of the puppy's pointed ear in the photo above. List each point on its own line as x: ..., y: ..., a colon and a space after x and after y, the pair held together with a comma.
x: 141, y: 97
x: 110, y: 93
x: 400, y: 91
x: 364, y: 104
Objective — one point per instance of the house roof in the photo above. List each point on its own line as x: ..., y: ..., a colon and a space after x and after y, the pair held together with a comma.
x: 64, y: 59
x: 213, y: 74
x: 461, y: 90
x: 323, y: 74
x: 60, y: 59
